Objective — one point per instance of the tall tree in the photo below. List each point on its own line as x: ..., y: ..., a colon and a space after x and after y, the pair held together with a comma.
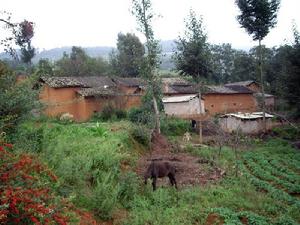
x: 193, y: 56
x: 258, y: 17
x: 222, y: 63
x: 142, y: 10
x: 293, y: 74
x: 78, y: 63
x: 20, y: 35
x: 128, y: 57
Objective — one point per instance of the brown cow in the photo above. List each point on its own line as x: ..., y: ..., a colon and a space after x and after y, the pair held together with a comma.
x: 159, y: 169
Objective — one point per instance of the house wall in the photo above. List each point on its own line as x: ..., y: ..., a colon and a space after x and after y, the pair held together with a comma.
x: 230, y: 124
x: 226, y: 103
x: 65, y: 100
x: 183, y: 108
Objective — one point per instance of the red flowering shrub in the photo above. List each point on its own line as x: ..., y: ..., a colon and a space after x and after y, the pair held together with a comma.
x: 25, y: 194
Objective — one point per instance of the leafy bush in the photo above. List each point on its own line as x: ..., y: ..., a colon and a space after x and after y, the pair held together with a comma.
x: 287, y: 132
x: 98, y: 130
x: 17, y: 100
x: 139, y: 115
x: 107, y: 112
x: 141, y: 135
x: 174, y: 126
x: 129, y: 185
x: 29, y: 137
x: 121, y: 114
x: 25, y: 191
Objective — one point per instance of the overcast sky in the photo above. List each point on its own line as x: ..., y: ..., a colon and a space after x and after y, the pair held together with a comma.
x: 87, y: 23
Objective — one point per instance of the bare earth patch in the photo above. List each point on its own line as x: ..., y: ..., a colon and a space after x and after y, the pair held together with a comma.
x: 190, y: 170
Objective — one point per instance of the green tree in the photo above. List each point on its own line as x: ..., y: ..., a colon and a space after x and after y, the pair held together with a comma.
x: 78, y: 63
x: 293, y: 75
x: 17, y: 99
x: 20, y: 35
x: 193, y: 56
x: 130, y: 52
x: 258, y: 17
x: 244, y: 67
x: 44, y: 68
x: 142, y: 10
x: 222, y: 63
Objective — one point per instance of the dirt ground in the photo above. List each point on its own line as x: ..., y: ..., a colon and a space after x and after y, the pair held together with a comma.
x: 190, y: 169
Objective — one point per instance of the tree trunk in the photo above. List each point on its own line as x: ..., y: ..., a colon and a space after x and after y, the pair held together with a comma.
x: 157, y: 121
x: 200, y: 120
x: 262, y: 87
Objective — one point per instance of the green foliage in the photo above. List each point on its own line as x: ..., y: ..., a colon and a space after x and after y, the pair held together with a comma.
x: 257, y: 17
x: 110, y: 113
x: 129, y: 186
x: 29, y: 138
x: 127, y: 60
x: 78, y: 63
x: 99, y: 130
x: 174, y: 126
x: 192, y: 49
x: 139, y: 115
x: 17, y: 100
x: 287, y: 132
x: 141, y: 134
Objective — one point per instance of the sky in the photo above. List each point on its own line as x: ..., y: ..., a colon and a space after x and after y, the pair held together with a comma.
x: 88, y: 23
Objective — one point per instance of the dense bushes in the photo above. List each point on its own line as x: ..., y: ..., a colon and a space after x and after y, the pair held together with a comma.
x: 17, y: 100
x: 26, y: 195
x: 171, y: 126
x: 109, y: 112
x: 141, y: 134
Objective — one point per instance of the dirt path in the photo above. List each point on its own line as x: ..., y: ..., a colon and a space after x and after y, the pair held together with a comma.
x: 190, y: 171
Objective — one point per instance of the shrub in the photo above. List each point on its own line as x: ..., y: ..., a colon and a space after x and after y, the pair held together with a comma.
x: 129, y: 185
x: 174, y: 126
x: 26, y: 197
x: 139, y: 115
x: 29, y: 137
x: 287, y: 132
x: 141, y: 135
x: 121, y: 114
x: 107, y: 112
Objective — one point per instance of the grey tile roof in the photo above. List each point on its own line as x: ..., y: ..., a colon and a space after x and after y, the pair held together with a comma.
x: 242, y: 83
x: 130, y: 82
x: 175, y: 81
x: 97, y: 91
x: 235, y: 89
x: 95, y: 81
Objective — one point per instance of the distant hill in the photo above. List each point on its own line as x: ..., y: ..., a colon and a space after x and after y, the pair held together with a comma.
x: 101, y: 51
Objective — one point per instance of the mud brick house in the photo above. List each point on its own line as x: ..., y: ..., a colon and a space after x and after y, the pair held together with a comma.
x: 222, y: 99
x: 250, y: 84
x: 255, y: 87
x: 83, y: 96
x: 130, y: 85
x: 217, y: 99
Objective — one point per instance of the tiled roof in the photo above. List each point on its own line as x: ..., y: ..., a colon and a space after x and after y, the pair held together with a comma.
x: 242, y: 83
x: 130, y: 82
x: 95, y: 81
x: 236, y: 89
x: 97, y: 91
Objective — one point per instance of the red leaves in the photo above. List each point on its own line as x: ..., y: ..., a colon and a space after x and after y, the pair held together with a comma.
x: 23, y: 193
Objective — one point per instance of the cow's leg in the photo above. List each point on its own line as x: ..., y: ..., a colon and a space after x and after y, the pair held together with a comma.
x: 154, y: 183
x: 172, y: 177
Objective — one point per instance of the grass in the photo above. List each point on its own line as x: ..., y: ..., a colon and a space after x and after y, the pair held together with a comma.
x: 89, y: 160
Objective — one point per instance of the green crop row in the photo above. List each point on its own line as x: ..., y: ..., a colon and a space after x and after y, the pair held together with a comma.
x: 273, y: 192
x: 259, y: 172
x: 275, y: 168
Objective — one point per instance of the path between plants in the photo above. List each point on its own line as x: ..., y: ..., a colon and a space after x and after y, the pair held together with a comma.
x: 190, y: 170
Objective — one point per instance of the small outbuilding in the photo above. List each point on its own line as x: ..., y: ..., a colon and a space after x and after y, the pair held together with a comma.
x: 183, y: 105
x: 248, y: 123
